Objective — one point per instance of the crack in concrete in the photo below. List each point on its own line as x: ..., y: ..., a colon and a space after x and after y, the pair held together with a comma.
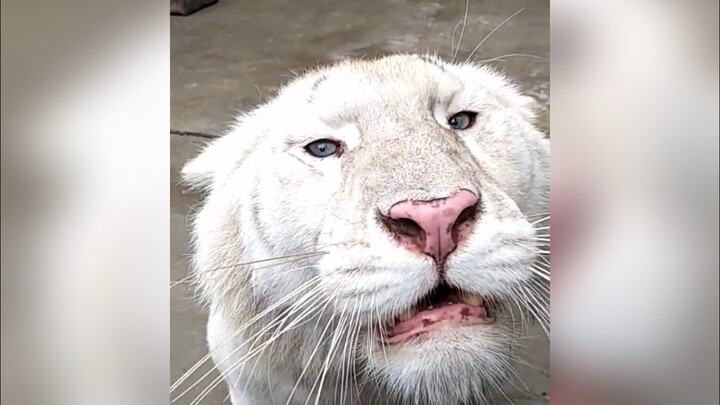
x: 193, y: 133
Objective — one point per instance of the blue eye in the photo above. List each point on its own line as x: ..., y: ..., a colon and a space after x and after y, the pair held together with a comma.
x: 462, y: 120
x: 323, y: 148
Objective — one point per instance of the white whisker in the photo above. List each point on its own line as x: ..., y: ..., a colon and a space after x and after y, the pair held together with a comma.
x: 240, y: 330
x: 250, y: 355
x: 509, y: 55
x: 462, y: 31
x: 491, y: 33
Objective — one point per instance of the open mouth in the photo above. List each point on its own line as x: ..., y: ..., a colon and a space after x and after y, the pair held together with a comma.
x: 443, y: 307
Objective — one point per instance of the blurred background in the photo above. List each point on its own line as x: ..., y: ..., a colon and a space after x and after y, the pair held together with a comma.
x: 86, y: 188
x: 634, y: 202
x: 235, y: 54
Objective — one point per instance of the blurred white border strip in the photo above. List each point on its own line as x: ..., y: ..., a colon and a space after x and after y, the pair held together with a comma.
x: 635, y: 201
x: 85, y: 112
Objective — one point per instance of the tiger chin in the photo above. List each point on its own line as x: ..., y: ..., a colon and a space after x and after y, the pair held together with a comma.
x: 373, y: 234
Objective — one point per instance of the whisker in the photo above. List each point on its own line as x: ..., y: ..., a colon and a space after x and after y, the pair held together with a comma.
x: 250, y: 355
x: 523, y: 321
x: 181, y: 281
x: 288, y: 271
x: 452, y: 39
x: 491, y: 33
x: 543, y: 275
x: 329, y: 356
x: 257, y: 317
x: 462, y: 31
x: 536, y: 308
x: 343, y: 371
x: 540, y: 214
x: 537, y: 266
x: 542, y: 286
x: 191, y: 277
x: 296, y: 305
x: 298, y: 255
x: 543, y: 262
x: 509, y: 55
x: 354, y: 349
x: 312, y: 355
x: 546, y: 218
x: 382, y: 333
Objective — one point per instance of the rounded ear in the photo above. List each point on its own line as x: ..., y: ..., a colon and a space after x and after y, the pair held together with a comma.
x: 216, y: 160
x: 198, y: 173
x: 529, y: 107
x: 222, y: 155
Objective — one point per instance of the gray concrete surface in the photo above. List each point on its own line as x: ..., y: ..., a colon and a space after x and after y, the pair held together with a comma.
x: 236, y: 53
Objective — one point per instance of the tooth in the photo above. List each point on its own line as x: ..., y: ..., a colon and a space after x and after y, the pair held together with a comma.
x: 409, y: 313
x: 471, y: 299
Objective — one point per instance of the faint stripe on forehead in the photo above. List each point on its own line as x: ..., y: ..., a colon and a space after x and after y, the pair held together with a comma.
x: 314, y: 88
x: 433, y: 61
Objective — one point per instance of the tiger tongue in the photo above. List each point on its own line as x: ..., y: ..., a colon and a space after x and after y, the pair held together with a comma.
x: 428, y: 320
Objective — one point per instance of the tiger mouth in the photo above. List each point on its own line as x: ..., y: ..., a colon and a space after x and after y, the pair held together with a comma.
x: 443, y: 307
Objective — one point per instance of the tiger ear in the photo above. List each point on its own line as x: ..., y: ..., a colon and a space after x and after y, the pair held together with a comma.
x: 201, y: 172
x: 222, y: 155
x: 529, y: 108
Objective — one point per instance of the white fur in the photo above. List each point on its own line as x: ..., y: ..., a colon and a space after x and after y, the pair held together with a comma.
x: 266, y: 198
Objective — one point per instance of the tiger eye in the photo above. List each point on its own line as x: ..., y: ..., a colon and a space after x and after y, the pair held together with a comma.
x: 323, y: 148
x: 462, y: 120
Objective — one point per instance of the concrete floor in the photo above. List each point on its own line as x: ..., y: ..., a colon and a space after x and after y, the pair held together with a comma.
x: 236, y: 53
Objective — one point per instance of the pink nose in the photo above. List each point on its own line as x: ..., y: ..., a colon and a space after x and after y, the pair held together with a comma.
x: 434, y: 226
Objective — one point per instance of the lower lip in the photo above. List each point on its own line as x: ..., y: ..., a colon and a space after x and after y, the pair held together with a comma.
x: 445, y: 317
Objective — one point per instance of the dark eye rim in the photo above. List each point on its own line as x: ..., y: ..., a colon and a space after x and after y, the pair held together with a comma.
x: 472, y: 116
x: 338, y: 147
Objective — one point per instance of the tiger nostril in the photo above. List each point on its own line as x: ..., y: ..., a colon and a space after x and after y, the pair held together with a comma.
x: 407, y: 227
x: 402, y: 226
x: 465, y: 219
